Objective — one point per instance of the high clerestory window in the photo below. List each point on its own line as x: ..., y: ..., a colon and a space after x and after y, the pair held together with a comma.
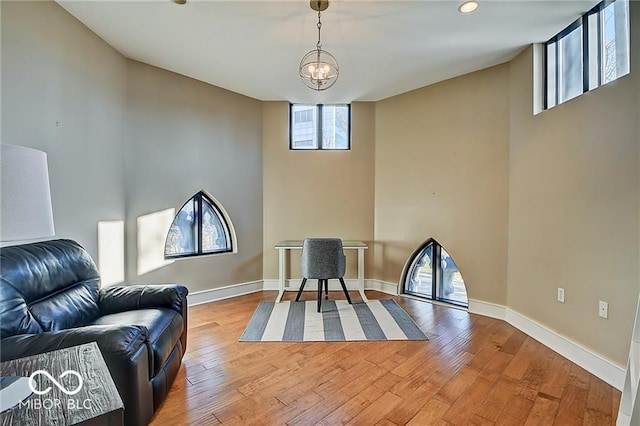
x: 313, y: 127
x: 201, y: 227
x: 591, y: 52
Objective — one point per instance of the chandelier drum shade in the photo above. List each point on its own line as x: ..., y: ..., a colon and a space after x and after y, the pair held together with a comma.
x: 318, y: 68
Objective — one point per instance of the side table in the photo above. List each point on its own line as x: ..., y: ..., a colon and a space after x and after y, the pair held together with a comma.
x: 66, y: 399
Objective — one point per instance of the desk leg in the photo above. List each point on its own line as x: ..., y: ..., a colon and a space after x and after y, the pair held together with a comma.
x: 361, y: 274
x: 281, y: 257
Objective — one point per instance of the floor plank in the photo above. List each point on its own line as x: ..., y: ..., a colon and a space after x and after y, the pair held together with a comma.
x: 473, y: 371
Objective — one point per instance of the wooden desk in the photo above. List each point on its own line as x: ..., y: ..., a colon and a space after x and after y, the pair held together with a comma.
x: 282, y: 246
x: 97, y: 402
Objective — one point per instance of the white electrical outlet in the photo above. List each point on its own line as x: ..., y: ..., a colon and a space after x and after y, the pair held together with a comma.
x: 603, y: 309
x: 560, y: 294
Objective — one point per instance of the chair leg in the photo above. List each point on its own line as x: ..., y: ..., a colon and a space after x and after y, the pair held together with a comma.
x: 344, y: 288
x: 320, y: 295
x: 304, y: 281
x: 326, y: 289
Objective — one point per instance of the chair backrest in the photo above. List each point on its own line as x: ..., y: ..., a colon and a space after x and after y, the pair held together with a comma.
x: 322, y: 258
x: 47, y: 286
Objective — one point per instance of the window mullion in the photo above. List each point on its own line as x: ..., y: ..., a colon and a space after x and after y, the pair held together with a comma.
x: 319, y: 127
x: 545, y: 55
x: 557, y: 72
x: 585, y: 53
x: 199, y: 223
x: 437, y: 271
x: 600, y: 58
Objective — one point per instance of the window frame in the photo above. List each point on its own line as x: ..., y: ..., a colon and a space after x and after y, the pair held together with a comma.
x: 200, y: 198
x: 437, y: 274
x: 583, y: 23
x: 319, y: 127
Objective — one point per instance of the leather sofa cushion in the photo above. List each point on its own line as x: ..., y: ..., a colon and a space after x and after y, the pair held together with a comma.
x: 47, y: 286
x: 121, y: 341
x: 164, y: 325
x: 132, y: 297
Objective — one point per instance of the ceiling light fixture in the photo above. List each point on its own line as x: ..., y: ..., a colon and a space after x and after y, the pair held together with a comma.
x: 319, y: 68
x: 468, y: 6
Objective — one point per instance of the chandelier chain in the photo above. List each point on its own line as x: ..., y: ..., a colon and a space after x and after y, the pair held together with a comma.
x: 319, y: 44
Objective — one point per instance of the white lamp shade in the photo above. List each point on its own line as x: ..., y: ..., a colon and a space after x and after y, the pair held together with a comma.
x: 25, y: 197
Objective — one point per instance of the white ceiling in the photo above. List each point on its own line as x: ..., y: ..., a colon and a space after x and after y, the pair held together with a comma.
x: 383, y: 48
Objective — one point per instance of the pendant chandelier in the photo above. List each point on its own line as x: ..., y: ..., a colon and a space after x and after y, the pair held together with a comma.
x: 319, y: 68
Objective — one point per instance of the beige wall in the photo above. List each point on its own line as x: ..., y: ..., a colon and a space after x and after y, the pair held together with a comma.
x: 67, y: 92
x: 316, y: 193
x: 524, y: 203
x: 441, y: 171
x: 183, y: 136
x: 64, y: 92
x: 574, y: 208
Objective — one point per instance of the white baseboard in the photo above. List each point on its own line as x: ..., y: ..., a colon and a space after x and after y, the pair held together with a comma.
x: 270, y: 285
x: 487, y: 309
x: 593, y: 362
x: 381, y: 286
x: 596, y: 364
x: 220, y: 293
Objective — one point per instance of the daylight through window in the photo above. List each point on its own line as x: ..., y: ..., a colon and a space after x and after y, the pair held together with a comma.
x: 431, y: 273
x: 320, y: 127
x: 201, y: 227
x: 591, y: 52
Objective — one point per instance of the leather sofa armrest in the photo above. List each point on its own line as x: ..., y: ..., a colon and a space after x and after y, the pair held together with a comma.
x: 113, y: 340
x: 128, y: 298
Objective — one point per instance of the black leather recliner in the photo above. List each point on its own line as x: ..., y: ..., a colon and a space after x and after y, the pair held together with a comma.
x: 50, y: 298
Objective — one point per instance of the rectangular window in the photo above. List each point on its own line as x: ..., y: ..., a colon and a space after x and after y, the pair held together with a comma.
x: 320, y: 127
x: 615, y: 41
x: 570, y: 65
x: 591, y: 52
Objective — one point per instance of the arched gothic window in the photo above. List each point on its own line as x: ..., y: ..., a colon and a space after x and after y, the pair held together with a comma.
x: 201, y: 227
x: 431, y: 273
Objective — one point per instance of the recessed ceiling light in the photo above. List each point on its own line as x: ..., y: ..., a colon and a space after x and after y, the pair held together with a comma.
x: 468, y: 6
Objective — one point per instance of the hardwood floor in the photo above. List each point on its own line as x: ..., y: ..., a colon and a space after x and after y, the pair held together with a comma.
x: 473, y: 371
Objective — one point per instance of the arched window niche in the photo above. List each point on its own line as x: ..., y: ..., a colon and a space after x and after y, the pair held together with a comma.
x: 202, y: 227
x: 431, y: 273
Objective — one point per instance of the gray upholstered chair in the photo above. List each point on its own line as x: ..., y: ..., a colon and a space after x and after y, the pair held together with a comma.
x: 322, y: 259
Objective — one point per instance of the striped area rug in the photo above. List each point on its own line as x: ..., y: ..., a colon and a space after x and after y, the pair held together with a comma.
x: 300, y: 322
